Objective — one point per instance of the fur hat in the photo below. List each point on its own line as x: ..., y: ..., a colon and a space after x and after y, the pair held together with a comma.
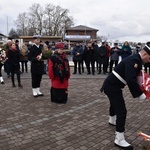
x: 59, y: 46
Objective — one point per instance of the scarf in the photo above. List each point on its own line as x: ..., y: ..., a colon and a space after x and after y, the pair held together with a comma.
x: 61, y: 66
x: 13, y: 49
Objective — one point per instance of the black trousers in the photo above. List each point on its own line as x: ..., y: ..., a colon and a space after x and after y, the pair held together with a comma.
x: 13, y: 71
x: 111, y: 64
x: 117, y: 104
x: 24, y: 63
x: 1, y: 65
x: 36, y: 80
x: 77, y: 62
x: 92, y: 63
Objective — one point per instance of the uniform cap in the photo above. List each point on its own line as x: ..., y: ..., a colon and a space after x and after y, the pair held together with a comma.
x: 36, y: 36
x: 59, y: 46
x: 147, y: 47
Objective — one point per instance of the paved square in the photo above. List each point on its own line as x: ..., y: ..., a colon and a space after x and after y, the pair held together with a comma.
x: 28, y: 123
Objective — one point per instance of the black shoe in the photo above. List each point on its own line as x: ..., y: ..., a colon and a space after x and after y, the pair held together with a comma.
x: 19, y: 85
x: 88, y: 73
x: 74, y: 73
x: 41, y: 94
x: 130, y: 147
x: 35, y: 95
x: 2, y: 82
x: 99, y: 73
x: 13, y: 85
x: 111, y: 124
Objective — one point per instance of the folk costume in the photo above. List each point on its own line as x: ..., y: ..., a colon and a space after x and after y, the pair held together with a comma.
x: 37, y: 67
x: 59, y: 73
x: 125, y: 73
x: 2, y: 60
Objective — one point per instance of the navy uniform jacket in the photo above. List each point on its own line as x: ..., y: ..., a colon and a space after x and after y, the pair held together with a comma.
x: 128, y: 69
x: 37, y: 67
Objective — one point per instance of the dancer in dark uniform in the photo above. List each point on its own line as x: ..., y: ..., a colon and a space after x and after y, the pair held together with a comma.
x: 37, y: 66
x: 124, y: 73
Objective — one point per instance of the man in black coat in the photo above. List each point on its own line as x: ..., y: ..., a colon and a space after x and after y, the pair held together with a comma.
x: 37, y: 66
x: 125, y: 72
x: 102, y: 57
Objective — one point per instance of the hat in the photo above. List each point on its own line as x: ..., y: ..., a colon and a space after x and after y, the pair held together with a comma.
x: 36, y: 36
x: 59, y: 46
x: 16, y: 41
x: 147, y: 47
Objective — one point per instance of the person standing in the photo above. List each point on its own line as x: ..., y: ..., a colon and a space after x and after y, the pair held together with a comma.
x: 2, y: 60
x: 59, y: 74
x: 126, y: 50
x: 90, y: 58
x: 14, y: 64
x: 77, y: 57
x: 125, y: 73
x: 114, y: 56
x: 37, y: 65
x: 24, y: 58
x: 102, y: 58
x: 6, y: 47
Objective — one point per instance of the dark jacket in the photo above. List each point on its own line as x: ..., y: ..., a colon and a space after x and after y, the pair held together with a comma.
x: 90, y: 54
x: 102, y: 54
x: 76, y: 50
x: 37, y: 66
x: 14, y: 59
x: 128, y: 69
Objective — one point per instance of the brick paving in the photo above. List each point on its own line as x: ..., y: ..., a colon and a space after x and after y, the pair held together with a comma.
x: 28, y: 123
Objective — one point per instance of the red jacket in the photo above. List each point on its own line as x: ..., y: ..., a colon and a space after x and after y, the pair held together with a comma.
x: 55, y: 82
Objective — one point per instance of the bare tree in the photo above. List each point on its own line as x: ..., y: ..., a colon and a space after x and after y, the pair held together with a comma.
x: 13, y: 34
x: 53, y: 20
x: 36, y: 17
x: 22, y: 24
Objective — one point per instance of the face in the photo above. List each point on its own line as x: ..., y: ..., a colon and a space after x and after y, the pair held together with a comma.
x: 60, y: 51
x: 37, y: 41
x: 13, y: 45
x: 146, y: 58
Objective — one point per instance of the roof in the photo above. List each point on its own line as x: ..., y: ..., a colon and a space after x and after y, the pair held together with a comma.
x: 42, y: 37
x: 2, y: 35
x: 81, y: 27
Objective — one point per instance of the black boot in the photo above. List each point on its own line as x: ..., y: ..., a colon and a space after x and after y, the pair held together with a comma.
x: 19, y: 85
x: 13, y: 85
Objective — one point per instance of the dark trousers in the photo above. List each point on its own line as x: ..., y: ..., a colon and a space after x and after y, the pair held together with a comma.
x: 117, y: 105
x: 1, y: 65
x: 13, y: 72
x: 7, y: 67
x: 92, y: 63
x: 104, y: 67
x: 77, y: 62
x: 36, y: 80
x: 111, y: 64
x: 24, y: 65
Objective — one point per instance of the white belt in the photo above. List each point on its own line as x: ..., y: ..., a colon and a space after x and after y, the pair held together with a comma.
x: 119, y: 77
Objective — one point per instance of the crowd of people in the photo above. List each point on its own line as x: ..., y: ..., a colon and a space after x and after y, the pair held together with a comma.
x: 101, y: 58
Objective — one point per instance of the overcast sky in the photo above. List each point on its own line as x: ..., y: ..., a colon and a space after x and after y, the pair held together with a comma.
x: 117, y: 19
